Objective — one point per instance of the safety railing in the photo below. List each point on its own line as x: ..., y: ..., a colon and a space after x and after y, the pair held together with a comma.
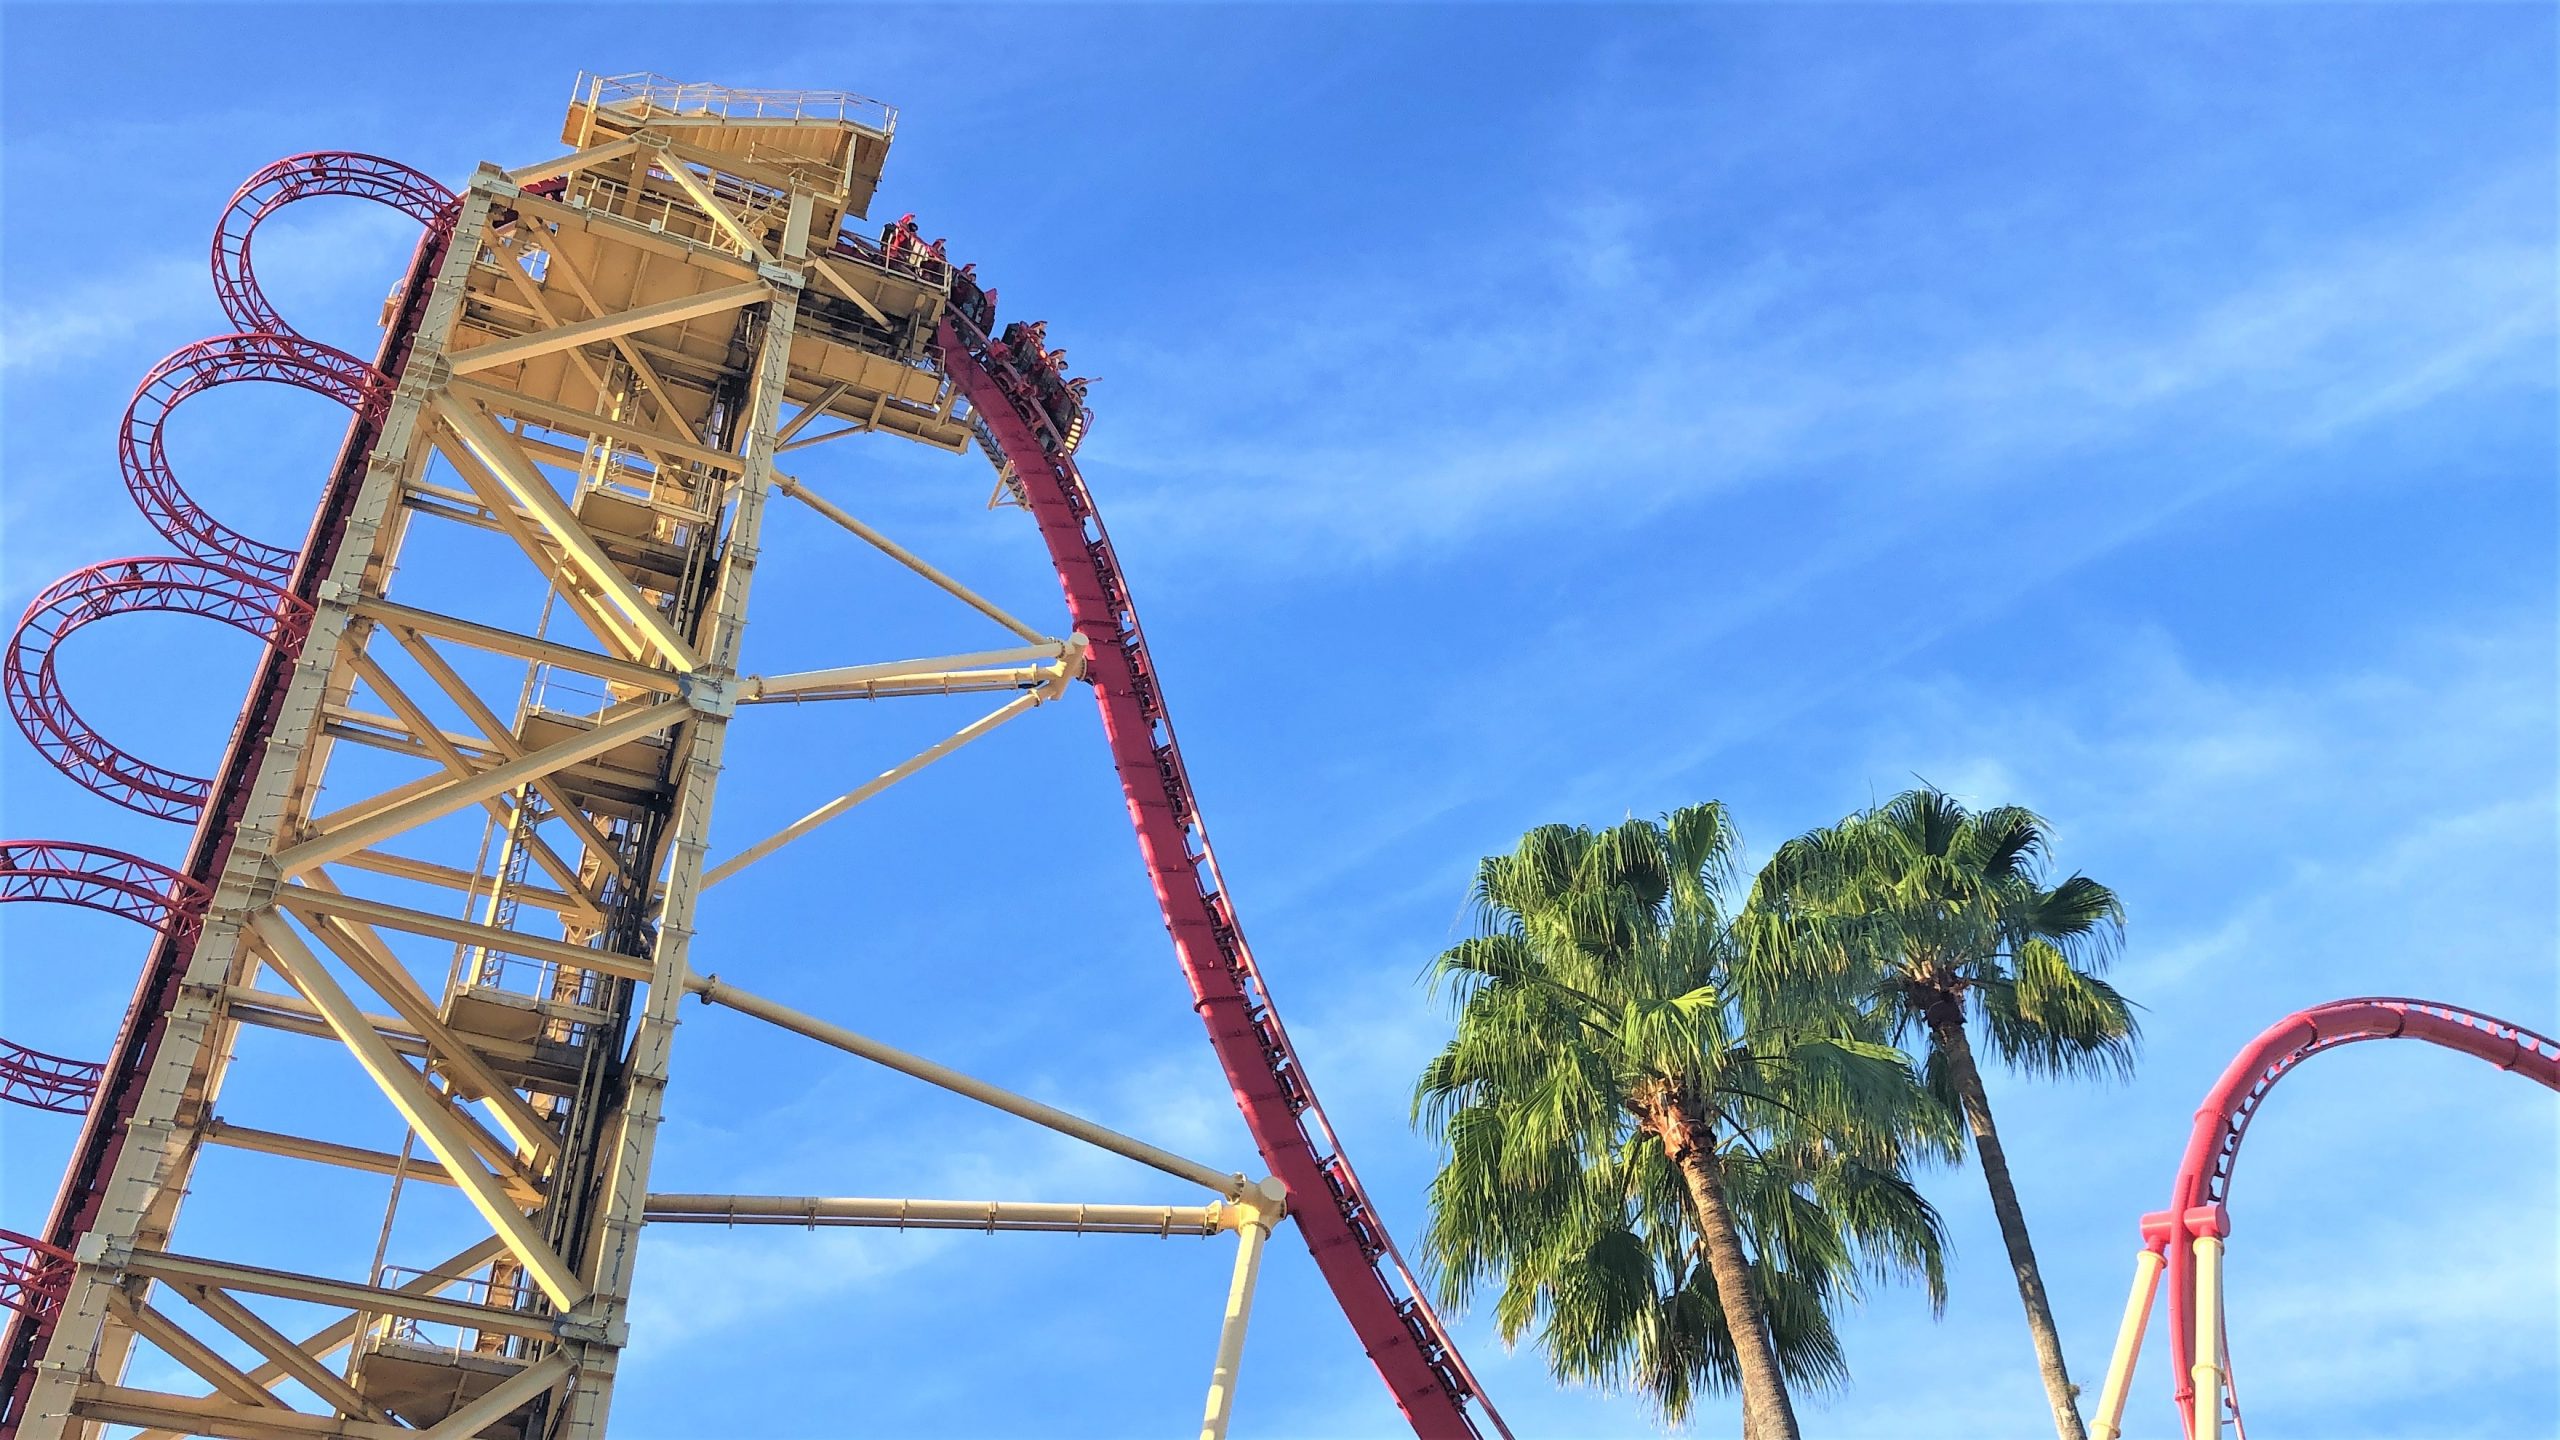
x: 530, y: 979
x: 446, y: 1339
x: 645, y: 92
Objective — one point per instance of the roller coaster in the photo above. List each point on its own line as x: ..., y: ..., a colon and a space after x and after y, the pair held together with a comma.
x: 648, y: 322
x: 601, y: 360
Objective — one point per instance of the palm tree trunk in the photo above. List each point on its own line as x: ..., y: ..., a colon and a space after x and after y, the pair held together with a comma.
x: 1947, y: 1024
x: 1767, y: 1413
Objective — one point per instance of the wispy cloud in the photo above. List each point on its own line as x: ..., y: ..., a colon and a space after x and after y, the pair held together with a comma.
x: 333, y: 257
x: 97, y: 315
x: 1398, y: 415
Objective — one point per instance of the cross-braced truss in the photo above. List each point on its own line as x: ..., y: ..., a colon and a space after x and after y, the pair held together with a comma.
x: 460, y: 841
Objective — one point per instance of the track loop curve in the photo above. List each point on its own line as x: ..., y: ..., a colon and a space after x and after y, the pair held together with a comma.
x: 302, y: 177
x: 248, y: 602
x: 39, y: 1081
x: 33, y: 1275
x: 67, y: 872
x: 142, y: 443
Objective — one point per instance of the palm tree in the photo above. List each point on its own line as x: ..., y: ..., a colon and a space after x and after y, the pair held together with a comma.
x: 1670, y: 1169
x: 1945, y: 915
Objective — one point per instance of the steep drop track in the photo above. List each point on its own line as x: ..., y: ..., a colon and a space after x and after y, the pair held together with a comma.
x: 1403, y: 1335
x: 267, y: 590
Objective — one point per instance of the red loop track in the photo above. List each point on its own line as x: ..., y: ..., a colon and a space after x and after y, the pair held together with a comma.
x: 2213, y: 1146
x: 142, y: 443
x: 47, y: 1082
x: 1403, y: 1335
x: 63, y: 872
x: 33, y: 1276
x: 302, y: 177
x: 246, y: 602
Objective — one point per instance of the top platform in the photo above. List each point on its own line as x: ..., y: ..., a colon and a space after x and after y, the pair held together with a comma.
x: 833, y: 139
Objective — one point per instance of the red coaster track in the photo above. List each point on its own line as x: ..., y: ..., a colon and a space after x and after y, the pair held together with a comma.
x: 2197, y: 1205
x: 245, y: 601
x: 1403, y: 1335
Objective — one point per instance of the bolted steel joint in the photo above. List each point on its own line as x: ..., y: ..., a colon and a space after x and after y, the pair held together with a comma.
x: 709, y: 694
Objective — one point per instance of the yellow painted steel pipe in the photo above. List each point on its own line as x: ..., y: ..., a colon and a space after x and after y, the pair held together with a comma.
x: 2137, y: 1315
x: 715, y: 991
x: 1260, y: 1210
x: 2208, y: 1365
x: 989, y: 1215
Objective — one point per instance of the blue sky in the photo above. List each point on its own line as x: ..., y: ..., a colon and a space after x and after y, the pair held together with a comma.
x: 1508, y: 415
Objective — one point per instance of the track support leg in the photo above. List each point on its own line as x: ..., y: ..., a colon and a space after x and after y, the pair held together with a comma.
x: 2137, y: 1315
x: 1260, y: 1212
x: 2208, y: 1364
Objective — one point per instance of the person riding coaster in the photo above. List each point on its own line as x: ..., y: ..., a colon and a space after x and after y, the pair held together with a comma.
x: 970, y: 303
x: 898, y: 239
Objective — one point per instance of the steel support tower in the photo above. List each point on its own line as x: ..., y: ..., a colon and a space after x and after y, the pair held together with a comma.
x: 461, y: 845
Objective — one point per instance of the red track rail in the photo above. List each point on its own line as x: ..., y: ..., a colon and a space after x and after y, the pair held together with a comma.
x: 63, y: 872
x: 1404, y: 1337
x: 47, y: 1082
x: 142, y: 442
x: 66, y: 873
x: 32, y: 1275
x: 302, y: 177
x: 2213, y: 1146
x: 245, y: 601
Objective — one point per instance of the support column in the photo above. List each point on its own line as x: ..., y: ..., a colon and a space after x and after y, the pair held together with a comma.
x: 2137, y: 1317
x: 2205, y: 1222
x: 712, y: 690
x: 1262, y: 1210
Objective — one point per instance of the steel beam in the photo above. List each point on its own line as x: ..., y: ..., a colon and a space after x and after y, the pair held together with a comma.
x: 175, y: 1341
x: 555, y: 416
x: 502, y: 1400
x: 678, y: 170
x: 1250, y: 1238
x: 573, y: 162
x: 280, y: 1351
x: 937, y: 667
x: 989, y: 1215
x: 325, y: 1152
x: 427, y: 1112
x: 427, y: 872
x: 444, y: 749
x: 416, y: 1303
x: 517, y: 478
x: 496, y: 641
x: 190, y: 1415
x: 908, y: 558
x: 620, y: 230
x: 618, y: 726
x: 364, y: 953
x: 886, y: 778
x: 546, y: 554
x: 332, y: 1338
x: 306, y: 902
x: 604, y: 327
x: 714, y: 991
